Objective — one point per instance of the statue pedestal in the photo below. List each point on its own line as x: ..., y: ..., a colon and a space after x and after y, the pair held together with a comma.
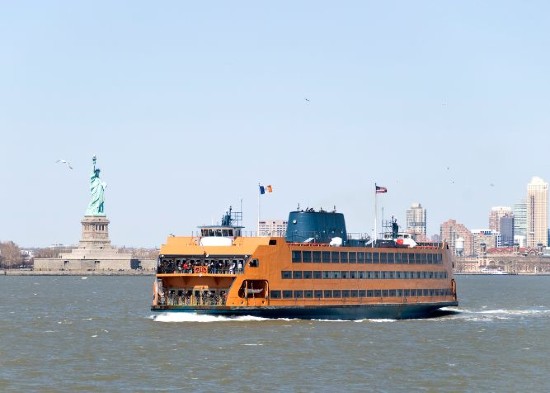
x: 95, y: 233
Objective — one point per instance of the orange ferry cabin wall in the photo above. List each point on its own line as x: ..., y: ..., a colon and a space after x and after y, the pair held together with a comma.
x: 275, y: 259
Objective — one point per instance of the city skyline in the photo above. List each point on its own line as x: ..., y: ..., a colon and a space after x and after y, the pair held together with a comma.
x: 188, y: 107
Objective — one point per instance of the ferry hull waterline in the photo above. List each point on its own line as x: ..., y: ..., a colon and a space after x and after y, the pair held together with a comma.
x: 317, y: 271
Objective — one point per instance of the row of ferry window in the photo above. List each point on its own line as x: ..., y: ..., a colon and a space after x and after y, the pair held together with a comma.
x: 366, y: 257
x: 352, y: 293
x: 325, y: 274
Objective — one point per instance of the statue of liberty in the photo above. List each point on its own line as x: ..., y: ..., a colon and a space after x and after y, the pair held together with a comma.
x: 97, y: 188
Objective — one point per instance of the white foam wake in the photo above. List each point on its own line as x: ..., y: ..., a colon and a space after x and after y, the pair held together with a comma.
x: 192, y: 317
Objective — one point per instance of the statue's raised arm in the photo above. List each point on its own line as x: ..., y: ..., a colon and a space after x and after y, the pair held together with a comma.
x: 97, y: 189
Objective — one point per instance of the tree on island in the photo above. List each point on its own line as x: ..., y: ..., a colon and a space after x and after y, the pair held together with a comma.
x: 10, y: 255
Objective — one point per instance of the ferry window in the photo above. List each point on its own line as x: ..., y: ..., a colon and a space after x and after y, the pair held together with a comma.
x: 272, y: 242
x: 370, y: 293
x: 391, y: 293
x: 423, y: 259
x: 439, y: 258
x: 411, y: 258
x: 308, y: 294
x: 336, y: 293
x: 398, y: 257
x: 254, y: 263
x: 392, y: 275
x: 362, y: 293
x: 399, y: 292
x: 362, y: 274
x: 407, y: 292
x: 306, y: 256
x: 298, y: 294
x: 360, y: 257
x: 316, y: 256
x: 218, y: 232
x: 327, y: 274
x: 317, y: 274
x: 345, y: 293
x: 287, y: 294
x: 296, y: 256
x: 336, y: 275
x: 204, y: 232
x: 328, y: 293
x: 368, y: 257
x: 318, y: 294
x: 344, y: 257
x: 352, y: 257
x: 335, y: 257
x: 430, y: 259
x: 375, y: 257
x: 210, y: 232
x: 353, y: 274
x: 326, y: 256
x: 353, y: 293
x: 344, y: 274
x: 230, y: 232
x: 383, y: 257
x: 225, y: 233
x: 404, y: 258
x: 426, y: 292
x: 377, y: 293
x: 297, y: 275
x: 308, y: 274
x: 390, y: 258
x: 286, y: 274
x: 275, y: 294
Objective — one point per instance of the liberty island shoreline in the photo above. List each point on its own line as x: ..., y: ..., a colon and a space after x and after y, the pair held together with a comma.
x: 21, y: 272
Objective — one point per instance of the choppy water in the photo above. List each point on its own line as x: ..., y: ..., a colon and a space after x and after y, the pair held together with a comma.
x: 69, y: 334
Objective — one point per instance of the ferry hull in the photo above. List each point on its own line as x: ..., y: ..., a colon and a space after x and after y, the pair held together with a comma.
x: 344, y: 312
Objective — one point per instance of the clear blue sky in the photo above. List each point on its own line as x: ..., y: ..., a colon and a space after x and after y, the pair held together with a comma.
x: 188, y: 105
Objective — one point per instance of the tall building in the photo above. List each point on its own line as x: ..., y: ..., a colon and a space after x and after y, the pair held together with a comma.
x: 520, y: 218
x: 416, y: 220
x: 456, y: 234
x: 496, y: 214
x: 507, y: 230
x: 537, y: 212
x: 272, y: 228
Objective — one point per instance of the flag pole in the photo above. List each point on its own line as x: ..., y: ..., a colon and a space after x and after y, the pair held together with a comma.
x: 375, y: 215
x: 258, y: 224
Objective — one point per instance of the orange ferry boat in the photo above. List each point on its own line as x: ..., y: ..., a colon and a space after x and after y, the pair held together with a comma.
x: 315, y: 272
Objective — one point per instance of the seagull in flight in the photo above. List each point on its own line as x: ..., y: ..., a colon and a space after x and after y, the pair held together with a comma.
x: 307, y: 99
x: 65, y: 162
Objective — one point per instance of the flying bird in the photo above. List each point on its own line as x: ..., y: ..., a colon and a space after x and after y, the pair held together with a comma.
x: 307, y: 99
x: 64, y: 162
